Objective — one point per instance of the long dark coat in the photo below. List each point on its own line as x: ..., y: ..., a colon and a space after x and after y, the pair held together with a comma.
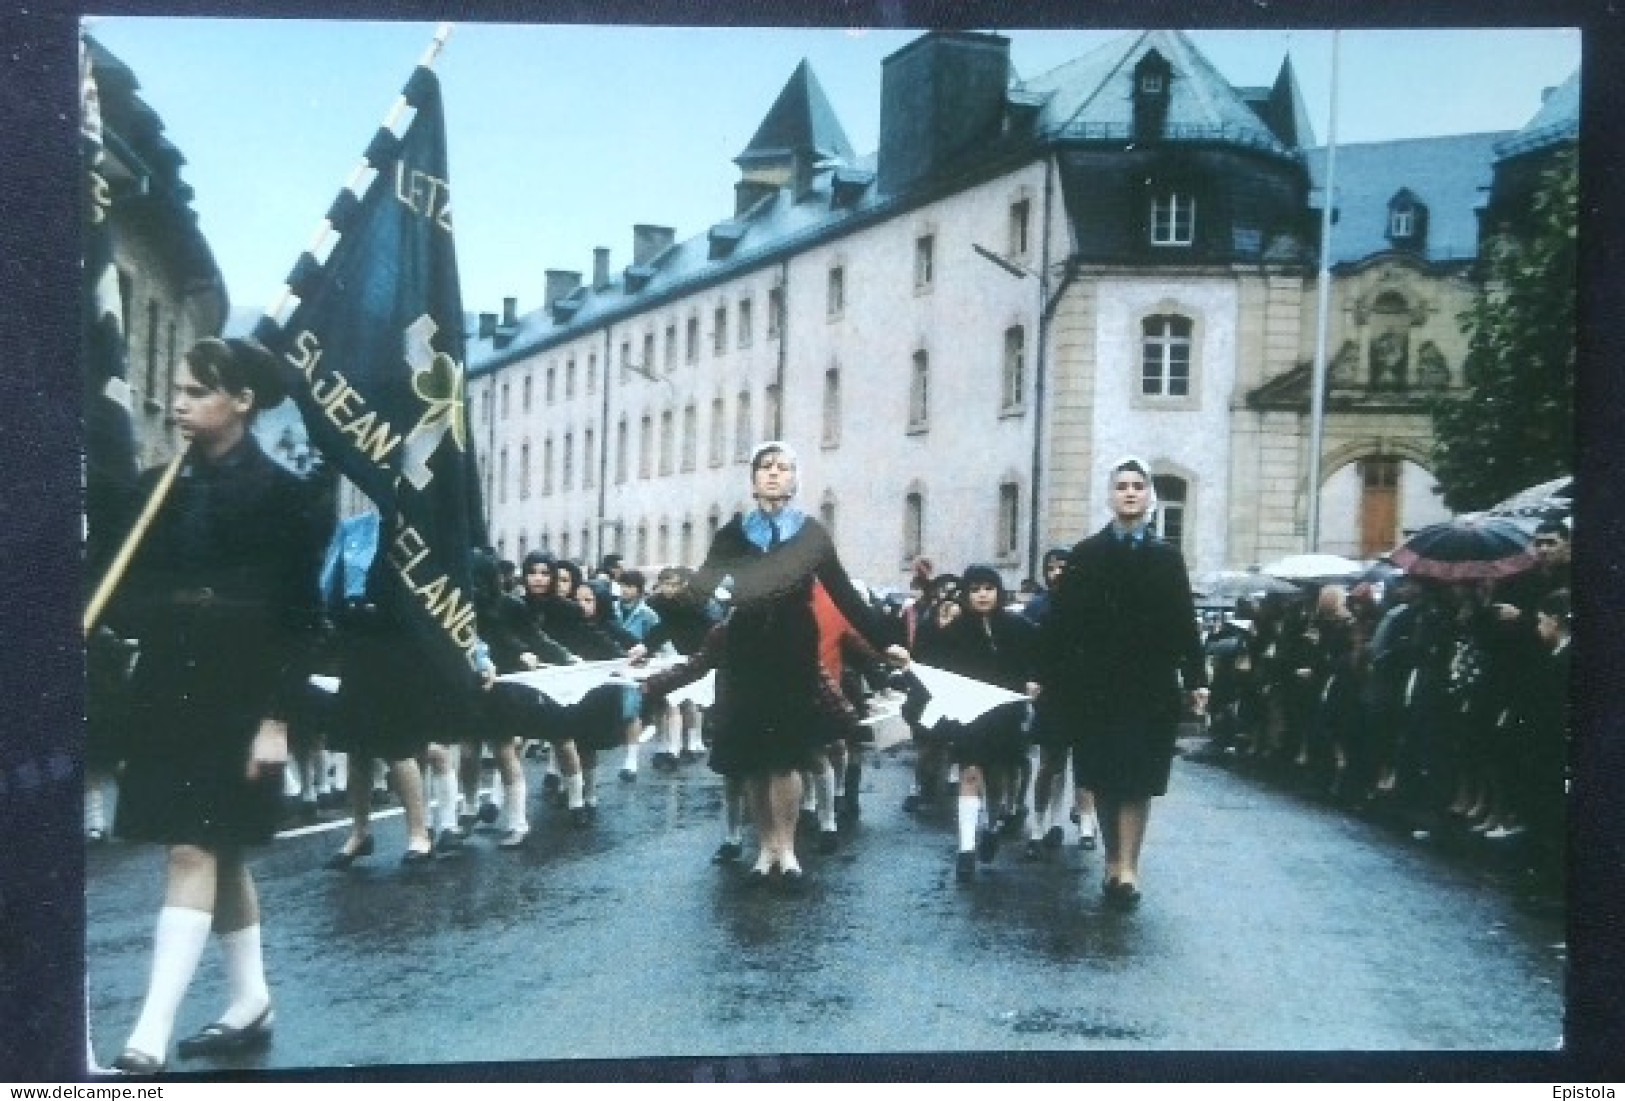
x: 775, y: 719
x: 1116, y: 649
x: 222, y: 596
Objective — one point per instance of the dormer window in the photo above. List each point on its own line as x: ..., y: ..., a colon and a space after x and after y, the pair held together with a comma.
x: 1151, y: 83
x: 1173, y: 218
x: 1151, y: 78
x: 1407, y: 220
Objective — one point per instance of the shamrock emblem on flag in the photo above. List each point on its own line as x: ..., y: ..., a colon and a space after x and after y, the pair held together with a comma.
x: 437, y: 379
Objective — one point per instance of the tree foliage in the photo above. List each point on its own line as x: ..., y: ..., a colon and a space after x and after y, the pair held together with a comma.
x: 1513, y: 424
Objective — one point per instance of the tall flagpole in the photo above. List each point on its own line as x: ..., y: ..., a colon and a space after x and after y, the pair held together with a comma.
x: 1317, y: 386
x: 325, y: 230
x: 149, y: 511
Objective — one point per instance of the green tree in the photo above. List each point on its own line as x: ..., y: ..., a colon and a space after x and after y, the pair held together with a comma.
x: 1513, y: 424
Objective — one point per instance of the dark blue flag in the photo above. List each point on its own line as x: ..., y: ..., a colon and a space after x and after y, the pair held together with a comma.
x: 374, y: 352
x: 110, y: 466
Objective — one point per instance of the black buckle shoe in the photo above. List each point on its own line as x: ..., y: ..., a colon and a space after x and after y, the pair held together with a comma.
x: 987, y: 846
x: 131, y: 1061
x: 222, y: 1039
x: 342, y: 859
x: 728, y: 852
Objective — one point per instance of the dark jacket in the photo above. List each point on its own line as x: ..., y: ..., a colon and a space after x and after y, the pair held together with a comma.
x: 998, y: 650
x: 1120, y: 638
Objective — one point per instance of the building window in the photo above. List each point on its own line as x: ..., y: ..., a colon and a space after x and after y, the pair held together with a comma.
x: 524, y: 394
x: 744, y: 323
x: 547, y: 467
x: 1009, y: 532
x: 569, y: 378
x: 913, y: 526
x: 1020, y: 219
x: 648, y: 363
x: 159, y: 400
x: 643, y: 544
x: 668, y: 443
x: 826, y: 512
x: 589, y: 463
x: 1400, y: 222
x: 832, y: 408
x: 502, y: 476
x: 567, y: 479
x: 775, y: 312
x: 1172, y: 501
x: 1015, y: 366
x: 691, y: 432
x: 719, y: 331
x: 646, y: 446
x: 504, y: 410
x: 1150, y: 83
x: 552, y: 383
x: 626, y: 360
x: 1165, y: 363
x: 524, y: 545
x: 524, y: 471
x: 663, y: 544
x: 564, y: 547
x: 719, y: 433
x: 919, y: 392
x: 837, y: 292
x: 671, y: 346
x: 772, y: 426
x: 742, y: 428
x: 586, y: 544
x: 925, y: 247
x: 1173, y: 219
x: 621, y: 434
x: 713, y: 523
x: 592, y: 372
x: 485, y: 405
x: 686, y: 543
x: 691, y: 347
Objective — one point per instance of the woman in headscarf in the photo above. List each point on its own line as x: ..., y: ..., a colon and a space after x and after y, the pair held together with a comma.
x: 222, y: 594
x: 1116, y: 649
x: 777, y: 718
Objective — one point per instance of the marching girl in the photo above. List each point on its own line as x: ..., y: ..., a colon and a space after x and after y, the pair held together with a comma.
x: 222, y: 595
x: 776, y: 717
x: 989, y: 643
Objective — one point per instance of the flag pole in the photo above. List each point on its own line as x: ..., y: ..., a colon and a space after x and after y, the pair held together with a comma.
x: 166, y: 481
x: 325, y: 230
x: 121, y: 561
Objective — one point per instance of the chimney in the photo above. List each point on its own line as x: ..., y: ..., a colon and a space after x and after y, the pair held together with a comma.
x: 488, y: 326
x: 510, y: 312
x: 559, y: 285
x: 600, y: 268
x: 940, y: 96
x: 649, y: 242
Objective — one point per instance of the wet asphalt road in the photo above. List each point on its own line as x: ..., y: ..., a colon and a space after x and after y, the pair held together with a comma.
x: 1269, y: 924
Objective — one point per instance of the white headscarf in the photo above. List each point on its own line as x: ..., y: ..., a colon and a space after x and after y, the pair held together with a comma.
x: 1132, y: 462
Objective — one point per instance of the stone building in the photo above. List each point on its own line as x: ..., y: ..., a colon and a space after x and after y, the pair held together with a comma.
x: 961, y: 331
x: 171, y: 288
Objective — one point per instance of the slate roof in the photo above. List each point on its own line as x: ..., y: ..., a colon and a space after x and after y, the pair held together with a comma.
x: 1557, y: 121
x: 800, y: 120
x: 1092, y: 97
x: 1450, y: 175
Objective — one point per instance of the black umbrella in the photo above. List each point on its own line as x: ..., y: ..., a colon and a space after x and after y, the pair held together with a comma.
x: 1468, y: 548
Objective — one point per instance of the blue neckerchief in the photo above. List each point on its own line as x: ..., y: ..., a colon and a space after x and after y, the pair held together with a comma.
x: 356, y: 544
x: 1134, y: 536
x: 760, y: 534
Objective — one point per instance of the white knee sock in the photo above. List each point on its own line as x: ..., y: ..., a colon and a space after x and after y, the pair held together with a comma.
x: 573, y: 785
x: 177, y: 945
x: 970, y: 817
x: 380, y: 776
x: 629, y: 759
x: 245, y: 977
x: 340, y: 764
x: 692, y: 739
x: 513, y: 803
x: 824, y: 796
x: 95, y: 806
x: 733, y: 810
x: 671, y: 725
x: 809, y: 791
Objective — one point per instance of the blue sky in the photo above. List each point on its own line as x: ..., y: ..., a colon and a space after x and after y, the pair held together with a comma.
x: 561, y: 138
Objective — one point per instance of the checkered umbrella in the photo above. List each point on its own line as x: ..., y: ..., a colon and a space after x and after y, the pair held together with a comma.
x: 1468, y: 548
